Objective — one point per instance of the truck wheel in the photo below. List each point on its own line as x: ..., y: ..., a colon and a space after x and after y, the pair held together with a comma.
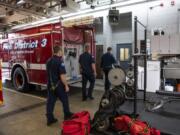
x: 20, y: 80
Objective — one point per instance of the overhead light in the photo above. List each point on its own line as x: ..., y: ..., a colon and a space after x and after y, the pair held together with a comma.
x: 102, y: 2
x: 89, y: 1
x: 21, y: 2
x: 2, y: 15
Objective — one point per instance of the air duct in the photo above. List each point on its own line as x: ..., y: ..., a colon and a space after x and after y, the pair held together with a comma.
x: 71, y: 6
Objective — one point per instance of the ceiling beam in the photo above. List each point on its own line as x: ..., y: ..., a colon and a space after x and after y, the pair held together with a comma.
x: 37, y: 4
x: 52, y: 0
x: 44, y: 6
x: 10, y: 1
x: 22, y: 9
x: 55, y: 5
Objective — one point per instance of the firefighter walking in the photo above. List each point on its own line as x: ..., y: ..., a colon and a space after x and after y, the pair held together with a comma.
x: 57, y: 85
x: 107, y: 60
x: 88, y: 71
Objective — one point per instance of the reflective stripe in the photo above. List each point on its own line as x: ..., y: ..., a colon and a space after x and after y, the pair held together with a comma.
x: 5, y: 64
x: 43, y: 66
x: 32, y: 35
x: 37, y: 66
x: 32, y: 66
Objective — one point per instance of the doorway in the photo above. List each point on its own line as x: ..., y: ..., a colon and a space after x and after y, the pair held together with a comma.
x: 124, y: 55
x: 99, y: 53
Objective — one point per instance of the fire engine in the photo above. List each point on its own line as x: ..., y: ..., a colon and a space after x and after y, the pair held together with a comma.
x: 25, y: 52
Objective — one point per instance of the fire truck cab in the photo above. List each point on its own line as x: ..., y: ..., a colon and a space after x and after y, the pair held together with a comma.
x: 25, y: 52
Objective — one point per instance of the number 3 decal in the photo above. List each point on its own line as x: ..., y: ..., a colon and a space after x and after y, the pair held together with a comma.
x: 44, y: 42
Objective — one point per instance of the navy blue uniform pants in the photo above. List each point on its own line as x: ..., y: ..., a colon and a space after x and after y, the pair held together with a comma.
x: 51, y: 100
x: 85, y: 79
x: 107, y: 84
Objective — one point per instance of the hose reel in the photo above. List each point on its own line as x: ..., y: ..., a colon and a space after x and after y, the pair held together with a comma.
x: 110, y: 101
x: 129, y: 92
x: 130, y: 72
x: 116, y: 76
x: 130, y: 82
x: 113, y: 98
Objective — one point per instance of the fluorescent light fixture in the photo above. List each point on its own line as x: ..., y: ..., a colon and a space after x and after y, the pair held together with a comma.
x: 2, y: 15
x: 43, y: 21
x: 104, y: 2
x: 20, y: 2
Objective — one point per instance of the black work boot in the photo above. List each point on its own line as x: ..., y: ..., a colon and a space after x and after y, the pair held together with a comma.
x: 84, y: 99
x: 68, y: 116
x: 91, y: 97
x: 50, y: 122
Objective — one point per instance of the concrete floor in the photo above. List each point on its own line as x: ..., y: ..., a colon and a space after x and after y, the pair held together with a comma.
x: 24, y: 114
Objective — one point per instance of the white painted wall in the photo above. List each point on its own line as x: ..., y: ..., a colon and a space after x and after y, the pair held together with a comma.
x: 122, y: 33
x: 112, y: 35
x: 165, y: 18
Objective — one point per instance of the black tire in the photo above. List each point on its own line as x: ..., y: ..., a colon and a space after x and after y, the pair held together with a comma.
x: 20, y: 80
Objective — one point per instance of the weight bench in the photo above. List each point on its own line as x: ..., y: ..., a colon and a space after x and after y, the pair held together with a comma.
x: 168, y: 98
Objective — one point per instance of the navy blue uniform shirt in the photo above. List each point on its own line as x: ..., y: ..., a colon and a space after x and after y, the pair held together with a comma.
x: 86, y: 60
x: 55, y: 67
x: 107, y: 60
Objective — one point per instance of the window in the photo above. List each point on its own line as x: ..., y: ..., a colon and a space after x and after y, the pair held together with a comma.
x: 124, y: 54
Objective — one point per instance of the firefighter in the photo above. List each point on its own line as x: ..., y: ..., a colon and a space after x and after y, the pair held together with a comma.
x: 107, y: 60
x: 57, y: 85
x: 88, y: 71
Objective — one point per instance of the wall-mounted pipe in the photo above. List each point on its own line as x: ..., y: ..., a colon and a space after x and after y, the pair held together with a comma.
x: 178, y: 21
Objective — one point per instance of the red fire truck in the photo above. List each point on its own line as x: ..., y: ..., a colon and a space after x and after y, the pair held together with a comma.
x: 25, y: 52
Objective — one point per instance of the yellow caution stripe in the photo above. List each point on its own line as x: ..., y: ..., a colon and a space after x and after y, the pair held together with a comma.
x: 1, y: 97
